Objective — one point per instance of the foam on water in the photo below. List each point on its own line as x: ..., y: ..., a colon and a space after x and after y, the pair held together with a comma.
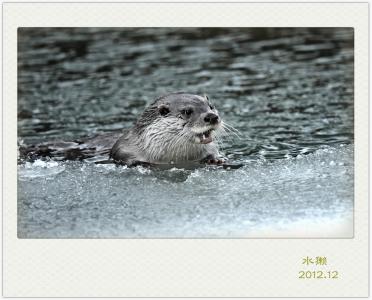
x: 39, y: 168
x: 308, y: 196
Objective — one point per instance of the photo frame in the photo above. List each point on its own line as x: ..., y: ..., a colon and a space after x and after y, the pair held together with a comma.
x: 185, y: 267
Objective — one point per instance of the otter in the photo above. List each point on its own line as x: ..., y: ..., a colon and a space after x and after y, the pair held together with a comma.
x: 176, y: 128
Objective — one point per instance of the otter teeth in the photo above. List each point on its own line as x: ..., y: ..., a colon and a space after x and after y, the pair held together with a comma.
x: 205, y: 137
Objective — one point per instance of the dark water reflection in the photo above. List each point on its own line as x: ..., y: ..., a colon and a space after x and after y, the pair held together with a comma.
x: 287, y: 90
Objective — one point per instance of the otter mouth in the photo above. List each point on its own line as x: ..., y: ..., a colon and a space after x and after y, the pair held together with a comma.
x: 205, y: 137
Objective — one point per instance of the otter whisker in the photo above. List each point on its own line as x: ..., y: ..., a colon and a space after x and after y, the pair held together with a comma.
x: 232, y: 128
x: 226, y: 135
x: 219, y: 139
x: 230, y: 131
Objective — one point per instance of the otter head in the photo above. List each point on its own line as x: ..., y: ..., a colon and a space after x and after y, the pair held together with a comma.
x: 198, y: 117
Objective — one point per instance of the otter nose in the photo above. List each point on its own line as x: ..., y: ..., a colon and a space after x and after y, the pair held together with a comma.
x: 211, y: 118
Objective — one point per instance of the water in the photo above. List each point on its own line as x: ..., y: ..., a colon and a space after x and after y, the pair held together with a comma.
x: 288, y: 91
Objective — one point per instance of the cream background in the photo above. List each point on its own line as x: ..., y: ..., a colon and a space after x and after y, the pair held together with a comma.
x: 182, y: 267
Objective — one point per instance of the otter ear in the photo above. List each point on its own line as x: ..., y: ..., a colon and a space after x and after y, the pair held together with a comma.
x: 206, y: 97
x: 163, y: 109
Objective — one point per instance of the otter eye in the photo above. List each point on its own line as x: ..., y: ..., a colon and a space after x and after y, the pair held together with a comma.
x: 211, y: 106
x: 164, y: 110
x: 187, y: 111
